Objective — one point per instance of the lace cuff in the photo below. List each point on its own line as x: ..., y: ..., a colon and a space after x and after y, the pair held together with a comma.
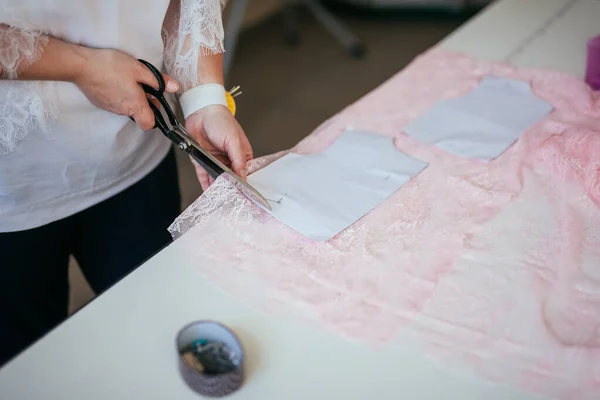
x: 19, y: 48
x: 192, y: 28
x: 22, y: 104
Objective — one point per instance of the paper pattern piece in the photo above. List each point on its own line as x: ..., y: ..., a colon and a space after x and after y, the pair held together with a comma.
x: 483, y: 123
x: 319, y: 195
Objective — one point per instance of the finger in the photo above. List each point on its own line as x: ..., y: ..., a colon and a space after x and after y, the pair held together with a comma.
x: 246, y: 147
x: 154, y: 101
x: 222, y: 157
x: 201, y: 174
x: 203, y: 178
x: 142, y: 114
x: 146, y: 76
x: 238, y: 152
x: 172, y: 85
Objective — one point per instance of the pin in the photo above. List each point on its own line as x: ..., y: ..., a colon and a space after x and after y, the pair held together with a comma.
x: 231, y: 95
x: 276, y: 201
x: 191, y: 360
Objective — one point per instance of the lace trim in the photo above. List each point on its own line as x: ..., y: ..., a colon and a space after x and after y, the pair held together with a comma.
x: 194, y: 29
x: 18, y: 49
x: 223, y: 198
x: 23, y: 105
x: 23, y: 108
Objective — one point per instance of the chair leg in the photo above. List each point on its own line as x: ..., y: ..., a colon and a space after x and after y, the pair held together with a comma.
x: 290, y: 26
x: 336, y: 28
x: 232, y: 33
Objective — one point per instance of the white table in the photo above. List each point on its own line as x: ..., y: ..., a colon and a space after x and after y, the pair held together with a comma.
x: 121, y: 346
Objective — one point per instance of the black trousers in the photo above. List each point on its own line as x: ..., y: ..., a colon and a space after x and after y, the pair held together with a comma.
x: 108, y: 241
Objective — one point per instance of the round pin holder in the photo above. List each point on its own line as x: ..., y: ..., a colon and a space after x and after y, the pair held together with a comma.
x: 205, y: 381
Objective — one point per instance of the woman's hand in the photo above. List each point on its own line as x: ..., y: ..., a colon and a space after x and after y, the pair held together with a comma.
x: 111, y: 79
x: 216, y: 130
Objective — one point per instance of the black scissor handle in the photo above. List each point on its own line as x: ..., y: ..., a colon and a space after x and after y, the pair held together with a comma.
x: 159, y: 93
x: 161, y: 81
x: 159, y: 121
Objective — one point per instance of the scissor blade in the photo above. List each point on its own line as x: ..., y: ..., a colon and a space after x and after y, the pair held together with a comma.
x: 214, y: 165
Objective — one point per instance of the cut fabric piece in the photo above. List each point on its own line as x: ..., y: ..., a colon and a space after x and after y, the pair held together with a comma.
x: 319, y: 195
x: 483, y: 123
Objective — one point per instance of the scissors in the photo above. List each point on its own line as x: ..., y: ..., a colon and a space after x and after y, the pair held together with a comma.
x: 180, y: 136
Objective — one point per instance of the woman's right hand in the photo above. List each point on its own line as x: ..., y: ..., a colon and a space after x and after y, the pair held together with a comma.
x: 111, y: 79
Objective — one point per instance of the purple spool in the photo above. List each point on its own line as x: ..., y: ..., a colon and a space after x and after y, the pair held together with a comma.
x: 592, y: 73
x: 211, y: 385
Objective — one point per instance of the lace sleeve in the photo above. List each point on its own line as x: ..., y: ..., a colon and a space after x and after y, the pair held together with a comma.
x: 23, y: 105
x: 19, y: 48
x: 191, y: 28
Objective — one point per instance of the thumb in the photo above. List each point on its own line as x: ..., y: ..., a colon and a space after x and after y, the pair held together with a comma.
x: 171, y: 85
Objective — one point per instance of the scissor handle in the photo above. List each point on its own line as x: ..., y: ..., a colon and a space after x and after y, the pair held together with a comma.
x: 161, y: 81
x: 159, y: 93
x: 159, y: 121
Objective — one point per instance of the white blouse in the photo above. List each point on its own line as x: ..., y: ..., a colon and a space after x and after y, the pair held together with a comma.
x: 59, y: 154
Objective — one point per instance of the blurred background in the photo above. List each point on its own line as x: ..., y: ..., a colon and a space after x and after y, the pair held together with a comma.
x: 293, y: 82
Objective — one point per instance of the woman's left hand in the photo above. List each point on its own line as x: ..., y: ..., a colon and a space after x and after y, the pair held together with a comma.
x: 217, y: 131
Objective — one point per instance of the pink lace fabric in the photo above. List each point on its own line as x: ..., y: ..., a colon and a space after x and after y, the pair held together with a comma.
x: 495, y: 267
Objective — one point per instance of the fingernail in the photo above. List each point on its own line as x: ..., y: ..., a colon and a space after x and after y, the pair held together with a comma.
x: 172, y: 85
x: 244, y: 173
